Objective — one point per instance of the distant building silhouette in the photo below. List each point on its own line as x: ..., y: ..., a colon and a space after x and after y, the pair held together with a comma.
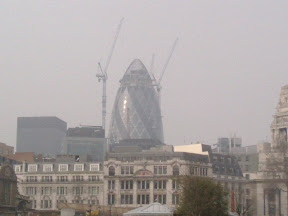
x: 40, y: 134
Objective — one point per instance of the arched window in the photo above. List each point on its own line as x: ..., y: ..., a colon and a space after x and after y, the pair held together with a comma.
x: 176, y: 170
x: 111, y: 171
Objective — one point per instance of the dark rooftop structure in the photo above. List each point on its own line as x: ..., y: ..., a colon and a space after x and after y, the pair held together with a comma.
x: 86, y: 131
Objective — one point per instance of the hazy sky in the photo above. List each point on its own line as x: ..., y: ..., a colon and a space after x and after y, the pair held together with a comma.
x: 224, y: 77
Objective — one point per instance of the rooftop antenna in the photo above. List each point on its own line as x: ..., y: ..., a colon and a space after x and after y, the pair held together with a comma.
x: 102, y: 74
x: 158, y: 82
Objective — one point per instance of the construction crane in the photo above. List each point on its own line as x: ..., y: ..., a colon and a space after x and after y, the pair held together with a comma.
x: 102, y: 75
x: 157, y: 83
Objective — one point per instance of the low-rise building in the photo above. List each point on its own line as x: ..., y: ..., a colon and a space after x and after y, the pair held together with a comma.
x: 6, y: 149
x: 132, y: 180
x: 126, y: 179
x: 48, y: 184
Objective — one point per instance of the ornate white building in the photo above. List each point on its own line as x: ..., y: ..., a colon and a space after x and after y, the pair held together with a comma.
x: 48, y: 184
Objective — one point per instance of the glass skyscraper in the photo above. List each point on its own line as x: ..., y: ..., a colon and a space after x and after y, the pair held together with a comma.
x: 136, y: 112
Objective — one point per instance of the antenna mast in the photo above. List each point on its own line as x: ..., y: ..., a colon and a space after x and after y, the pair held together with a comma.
x: 102, y: 75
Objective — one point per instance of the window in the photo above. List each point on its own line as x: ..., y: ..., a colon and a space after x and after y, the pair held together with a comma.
x: 32, y: 168
x: 143, y: 199
x: 160, y: 170
x: 247, y: 157
x: 18, y: 168
x: 175, y: 185
x: 198, y: 171
x: 78, y: 167
x: 30, y: 191
x: 93, y: 178
x: 111, y: 171
x: 176, y: 170
x: 47, y: 168
x: 94, y: 167
x: 46, y: 203
x: 34, y: 204
x: 46, y: 190
x: 247, y: 176
x: 77, y: 190
x: 175, y: 199
x: 126, y: 199
x: 62, y: 178
x: 111, y: 184
x: 63, y: 167
x: 78, y: 178
x: 31, y: 178
x: 144, y: 184
x: 127, y: 185
x: 46, y: 179
x: 160, y: 184
x: 127, y: 170
x: 61, y: 190
x: 160, y: 198
x: 111, y: 199
x: 93, y: 190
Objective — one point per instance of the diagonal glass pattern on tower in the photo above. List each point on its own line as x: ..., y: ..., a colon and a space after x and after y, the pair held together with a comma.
x: 136, y: 112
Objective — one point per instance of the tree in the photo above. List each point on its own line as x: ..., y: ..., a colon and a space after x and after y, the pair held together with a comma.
x: 243, y: 207
x: 202, y: 196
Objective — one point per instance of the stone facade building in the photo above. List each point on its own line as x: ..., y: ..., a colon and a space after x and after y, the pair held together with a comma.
x: 48, y: 184
x: 280, y: 123
x: 125, y: 180
x: 132, y: 180
x: 266, y: 185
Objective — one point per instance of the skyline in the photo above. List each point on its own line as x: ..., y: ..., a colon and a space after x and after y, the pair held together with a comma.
x: 224, y: 77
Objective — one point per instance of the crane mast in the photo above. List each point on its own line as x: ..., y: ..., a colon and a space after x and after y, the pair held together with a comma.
x: 158, y: 82
x: 102, y: 75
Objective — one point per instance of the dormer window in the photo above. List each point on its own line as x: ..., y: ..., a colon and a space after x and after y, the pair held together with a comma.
x: 94, y: 167
x: 47, y: 168
x: 78, y: 167
x: 32, y: 168
x: 63, y: 167
x: 18, y: 168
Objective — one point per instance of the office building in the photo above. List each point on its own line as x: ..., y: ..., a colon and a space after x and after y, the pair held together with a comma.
x: 86, y: 140
x: 136, y: 112
x: 42, y: 135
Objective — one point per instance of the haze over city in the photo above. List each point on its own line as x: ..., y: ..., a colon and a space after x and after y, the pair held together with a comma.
x: 223, y: 78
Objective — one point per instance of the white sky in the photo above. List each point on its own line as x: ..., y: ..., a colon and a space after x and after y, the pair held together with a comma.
x: 224, y: 77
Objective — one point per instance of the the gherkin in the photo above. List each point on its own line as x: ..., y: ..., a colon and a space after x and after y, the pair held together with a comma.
x: 136, y: 112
